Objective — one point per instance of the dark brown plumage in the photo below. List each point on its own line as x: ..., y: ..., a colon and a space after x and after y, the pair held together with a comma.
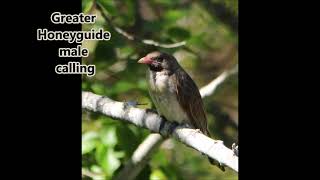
x: 174, y: 93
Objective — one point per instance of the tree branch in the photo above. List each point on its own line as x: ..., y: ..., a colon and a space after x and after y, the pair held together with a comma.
x: 133, y: 167
x: 210, y: 88
x: 147, y: 119
x: 148, y: 146
x: 132, y: 37
x: 140, y: 157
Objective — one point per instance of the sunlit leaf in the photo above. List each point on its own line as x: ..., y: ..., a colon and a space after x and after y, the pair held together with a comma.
x: 98, y: 171
x: 107, y: 159
x: 157, y: 174
x: 108, y: 136
x: 89, y: 141
x: 86, y: 5
x: 123, y: 86
x: 98, y: 88
x: 174, y: 15
x: 113, y: 161
x: 160, y: 158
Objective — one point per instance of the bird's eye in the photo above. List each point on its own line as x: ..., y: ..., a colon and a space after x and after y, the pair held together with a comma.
x: 160, y: 59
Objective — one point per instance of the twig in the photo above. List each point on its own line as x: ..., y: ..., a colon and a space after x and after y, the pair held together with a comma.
x: 135, y: 38
x: 140, y: 157
x: 212, y: 86
x: 146, y: 119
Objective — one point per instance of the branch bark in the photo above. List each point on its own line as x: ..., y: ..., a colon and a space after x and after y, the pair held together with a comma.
x: 147, y: 119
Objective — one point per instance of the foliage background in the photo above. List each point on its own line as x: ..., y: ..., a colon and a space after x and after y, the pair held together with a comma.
x: 210, y: 29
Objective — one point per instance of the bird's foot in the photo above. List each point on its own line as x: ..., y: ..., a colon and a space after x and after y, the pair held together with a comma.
x: 162, y: 125
x: 173, y: 126
x: 167, y: 127
x: 152, y: 111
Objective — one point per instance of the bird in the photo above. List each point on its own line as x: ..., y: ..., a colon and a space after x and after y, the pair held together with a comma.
x: 174, y: 93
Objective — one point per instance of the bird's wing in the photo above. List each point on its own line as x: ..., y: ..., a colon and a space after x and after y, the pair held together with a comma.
x: 190, y: 99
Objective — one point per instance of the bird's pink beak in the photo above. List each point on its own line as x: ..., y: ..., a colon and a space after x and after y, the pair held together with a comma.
x: 145, y: 60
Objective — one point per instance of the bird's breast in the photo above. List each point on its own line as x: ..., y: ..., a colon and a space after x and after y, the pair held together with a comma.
x: 163, y: 92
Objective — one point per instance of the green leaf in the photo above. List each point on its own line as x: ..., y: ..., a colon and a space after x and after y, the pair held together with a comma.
x: 174, y: 15
x: 197, y: 41
x: 160, y: 158
x: 128, y: 141
x: 98, y: 88
x: 124, y: 52
x: 142, y: 84
x: 129, y: 17
x: 152, y: 26
x: 104, y: 51
x: 113, y: 163
x: 89, y: 141
x: 157, y: 174
x: 86, y: 5
x: 99, y: 173
x: 109, y: 6
x: 100, y: 154
x: 178, y: 33
x: 123, y: 86
x: 166, y: 2
x: 108, y: 136
x: 171, y: 171
x: 108, y: 159
x: 84, y: 86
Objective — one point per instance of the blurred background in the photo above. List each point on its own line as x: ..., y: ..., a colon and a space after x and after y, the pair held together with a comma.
x: 209, y: 29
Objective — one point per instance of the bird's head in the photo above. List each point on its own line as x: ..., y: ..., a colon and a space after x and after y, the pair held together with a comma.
x: 158, y: 61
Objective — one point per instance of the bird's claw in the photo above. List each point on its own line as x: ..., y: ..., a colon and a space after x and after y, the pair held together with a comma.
x: 198, y: 130
x: 173, y: 127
